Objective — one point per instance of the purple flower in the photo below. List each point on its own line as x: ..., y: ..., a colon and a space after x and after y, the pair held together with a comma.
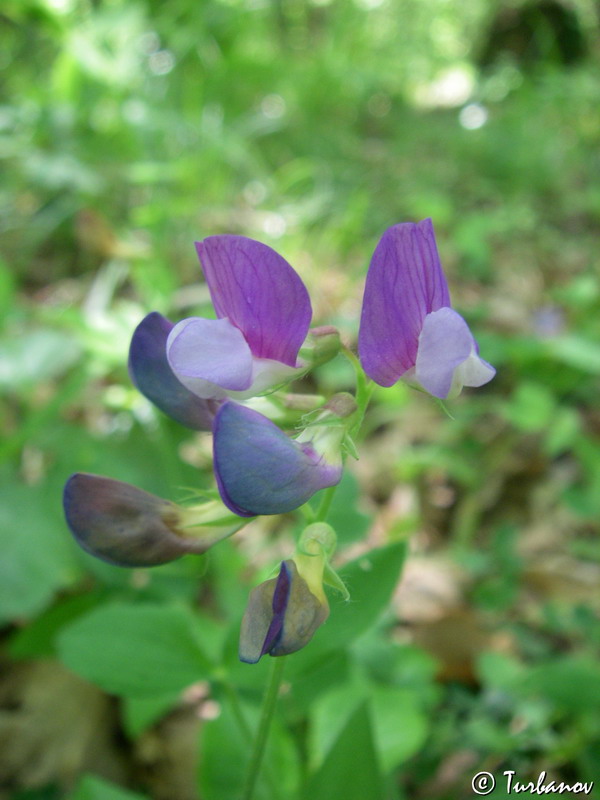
x: 408, y: 329
x: 152, y: 375
x: 121, y: 524
x: 281, y: 616
x: 260, y: 470
x: 263, y: 315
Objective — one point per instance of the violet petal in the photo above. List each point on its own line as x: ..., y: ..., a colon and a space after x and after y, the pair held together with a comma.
x: 152, y: 375
x: 405, y: 282
x: 259, y: 292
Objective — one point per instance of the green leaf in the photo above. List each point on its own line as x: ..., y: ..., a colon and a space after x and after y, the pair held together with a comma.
x: 571, y: 683
x: 401, y: 726
x: 307, y: 686
x: 135, y: 650
x: 226, y: 746
x: 38, y: 639
x: 36, y: 356
x: 37, y: 553
x: 399, y: 722
x: 576, y: 351
x: 350, y: 770
x: 92, y: 788
x: 531, y: 408
x: 140, y: 713
x: 563, y: 432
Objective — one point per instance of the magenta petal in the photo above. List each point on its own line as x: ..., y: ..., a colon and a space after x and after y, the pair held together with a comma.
x: 259, y: 292
x: 405, y: 282
x: 444, y: 344
x: 212, y: 351
x: 260, y: 470
x: 152, y: 375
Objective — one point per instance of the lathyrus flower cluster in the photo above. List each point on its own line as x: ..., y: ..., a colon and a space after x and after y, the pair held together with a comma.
x: 209, y: 375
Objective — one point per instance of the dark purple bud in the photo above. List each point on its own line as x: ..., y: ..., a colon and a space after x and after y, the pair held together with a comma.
x: 124, y: 525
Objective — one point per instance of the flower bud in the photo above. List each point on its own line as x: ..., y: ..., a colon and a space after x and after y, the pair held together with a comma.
x: 124, y: 525
x: 321, y: 345
x: 281, y: 616
x: 284, y: 612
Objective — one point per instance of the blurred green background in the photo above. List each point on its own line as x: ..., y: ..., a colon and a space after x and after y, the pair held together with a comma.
x: 129, y: 128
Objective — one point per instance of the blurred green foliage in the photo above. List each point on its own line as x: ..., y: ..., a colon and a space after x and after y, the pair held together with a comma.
x: 129, y: 129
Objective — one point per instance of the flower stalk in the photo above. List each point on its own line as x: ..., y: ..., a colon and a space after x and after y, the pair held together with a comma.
x: 264, y: 726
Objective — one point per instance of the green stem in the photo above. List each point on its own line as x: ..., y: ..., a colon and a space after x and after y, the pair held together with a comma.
x: 364, y: 389
x: 244, y: 726
x: 266, y: 717
x: 325, y: 504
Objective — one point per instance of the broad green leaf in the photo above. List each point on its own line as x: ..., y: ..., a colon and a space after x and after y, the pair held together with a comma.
x: 37, y: 554
x: 309, y: 684
x: 576, y: 351
x: 226, y: 744
x: 570, y: 683
x: 225, y: 747
x: 563, y: 432
x: 350, y: 770
x: 38, y: 639
x: 531, y: 407
x: 400, y: 724
x: 135, y: 650
x: 91, y: 787
x: 141, y: 712
x: 399, y: 721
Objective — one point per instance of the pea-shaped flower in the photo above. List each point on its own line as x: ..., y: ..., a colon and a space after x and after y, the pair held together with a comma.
x: 263, y: 315
x: 261, y: 470
x: 284, y: 612
x: 408, y: 329
x: 124, y: 525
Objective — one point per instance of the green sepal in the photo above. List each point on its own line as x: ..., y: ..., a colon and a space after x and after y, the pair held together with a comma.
x: 332, y: 579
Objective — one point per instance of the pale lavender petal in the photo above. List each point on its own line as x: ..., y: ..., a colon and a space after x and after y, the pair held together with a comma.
x: 405, y: 282
x: 260, y: 470
x: 474, y: 371
x: 210, y: 355
x: 444, y: 344
x: 266, y: 375
x: 259, y: 292
x: 152, y: 375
